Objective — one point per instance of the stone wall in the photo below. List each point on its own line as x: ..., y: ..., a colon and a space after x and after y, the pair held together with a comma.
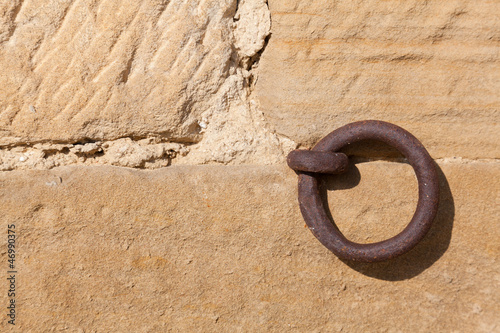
x: 142, y: 162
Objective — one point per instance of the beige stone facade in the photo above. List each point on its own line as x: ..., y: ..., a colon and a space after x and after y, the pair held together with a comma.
x: 142, y: 162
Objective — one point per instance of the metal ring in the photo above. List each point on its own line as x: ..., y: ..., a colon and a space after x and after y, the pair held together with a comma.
x: 311, y: 204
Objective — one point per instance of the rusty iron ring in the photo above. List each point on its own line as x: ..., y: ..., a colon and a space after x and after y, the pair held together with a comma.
x: 325, y: 158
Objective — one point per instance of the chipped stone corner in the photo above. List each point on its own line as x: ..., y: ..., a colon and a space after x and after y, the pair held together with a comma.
x: 234, y: 129
x: 236, y: 133
x: 252, y: 26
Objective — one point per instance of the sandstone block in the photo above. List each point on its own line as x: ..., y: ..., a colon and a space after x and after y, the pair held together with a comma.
x: 431, y: 67
x: 77, y: 70
x: 210, y: 248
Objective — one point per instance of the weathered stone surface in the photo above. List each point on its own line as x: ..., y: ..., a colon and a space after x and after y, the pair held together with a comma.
x: 432, y: 67
x: 83, y: 69
x: 100, y: 72
x: 210, y: 249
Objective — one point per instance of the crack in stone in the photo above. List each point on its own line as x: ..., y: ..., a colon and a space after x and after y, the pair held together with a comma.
x: 149, y: 153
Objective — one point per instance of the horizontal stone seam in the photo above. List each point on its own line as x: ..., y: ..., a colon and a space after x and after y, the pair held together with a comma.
x: 168, y: 157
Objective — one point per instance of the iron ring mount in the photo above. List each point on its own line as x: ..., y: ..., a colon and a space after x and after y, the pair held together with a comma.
x: 326, y: 158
